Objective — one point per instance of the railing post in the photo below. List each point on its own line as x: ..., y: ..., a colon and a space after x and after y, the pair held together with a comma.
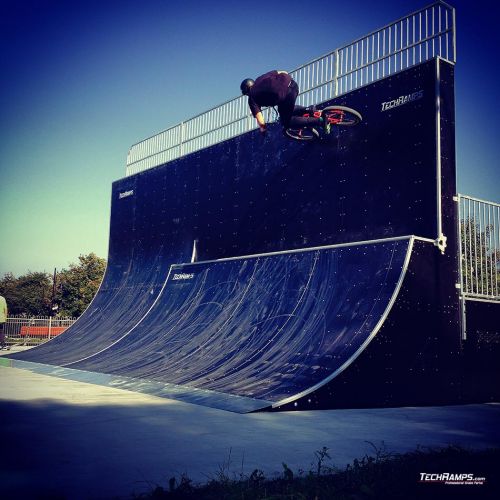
x: 336, y: 74
x: 454, y: 33
x: 50, y: 326
x: 181, y: 139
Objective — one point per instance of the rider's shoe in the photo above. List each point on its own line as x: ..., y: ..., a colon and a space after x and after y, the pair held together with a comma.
x: 327, y: 126
x: 310, y: 110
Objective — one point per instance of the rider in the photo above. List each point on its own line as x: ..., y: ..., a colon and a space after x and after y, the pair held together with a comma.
x: 277, y: 88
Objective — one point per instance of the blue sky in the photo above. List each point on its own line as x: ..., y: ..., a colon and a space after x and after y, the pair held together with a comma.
x: 82, y: 81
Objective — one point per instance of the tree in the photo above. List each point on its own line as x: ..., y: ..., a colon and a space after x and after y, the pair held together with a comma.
x: 29, y: 294
x: 77, y: 285
x: 32, y: 293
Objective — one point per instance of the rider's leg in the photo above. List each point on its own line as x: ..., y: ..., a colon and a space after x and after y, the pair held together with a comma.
x: 292, y: 115
x: 298, y: 119
x: 286, y: 107
x: 299, y: 110
x: 303, y: 121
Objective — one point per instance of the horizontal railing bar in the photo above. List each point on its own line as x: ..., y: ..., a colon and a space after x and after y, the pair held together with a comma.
x: 483, y: 296
x: 467, y: 197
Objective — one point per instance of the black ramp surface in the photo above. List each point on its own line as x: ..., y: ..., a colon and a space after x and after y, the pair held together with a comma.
x: 136, y: 271
x: 268, y: 327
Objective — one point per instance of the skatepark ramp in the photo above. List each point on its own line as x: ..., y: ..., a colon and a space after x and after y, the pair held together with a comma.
x: 261, y: 273
x: 268, y: 331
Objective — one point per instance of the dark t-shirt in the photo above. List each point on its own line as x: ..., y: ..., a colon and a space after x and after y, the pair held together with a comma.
x: 268, y: 90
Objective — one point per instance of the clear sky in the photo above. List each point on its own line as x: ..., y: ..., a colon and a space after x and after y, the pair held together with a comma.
x: 82, y: 81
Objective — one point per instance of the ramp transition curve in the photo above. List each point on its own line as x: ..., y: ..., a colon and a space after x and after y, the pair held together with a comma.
x: 254, y: 332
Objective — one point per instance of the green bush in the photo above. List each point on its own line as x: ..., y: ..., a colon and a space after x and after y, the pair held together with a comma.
x: 383, y: 475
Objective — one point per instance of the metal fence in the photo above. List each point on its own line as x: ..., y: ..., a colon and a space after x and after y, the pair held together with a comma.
x: 479, y: 246
x: 418, y: 37
x: 30, y: 331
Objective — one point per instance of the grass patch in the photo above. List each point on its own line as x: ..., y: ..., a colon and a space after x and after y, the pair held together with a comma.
x: 381, y: 475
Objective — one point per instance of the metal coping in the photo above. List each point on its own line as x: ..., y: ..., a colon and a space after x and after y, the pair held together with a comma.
x: 303, y: 250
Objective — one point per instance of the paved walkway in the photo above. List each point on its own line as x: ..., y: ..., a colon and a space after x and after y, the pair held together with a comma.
x: 78, y: 440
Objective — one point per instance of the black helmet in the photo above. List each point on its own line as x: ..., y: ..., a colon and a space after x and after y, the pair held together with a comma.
x: 245, y: 85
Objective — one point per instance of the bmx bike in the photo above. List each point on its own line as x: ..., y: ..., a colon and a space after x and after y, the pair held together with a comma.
x: 341, y: 116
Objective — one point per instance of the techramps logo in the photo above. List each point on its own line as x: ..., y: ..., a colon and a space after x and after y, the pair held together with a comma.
x: 451, y: 479
x: 125, y: 194
x: 401, y: 100
x: 182, y: 276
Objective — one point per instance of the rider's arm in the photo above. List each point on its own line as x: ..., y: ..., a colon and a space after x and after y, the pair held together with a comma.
x: 257, y: 113
x: 260, y: 121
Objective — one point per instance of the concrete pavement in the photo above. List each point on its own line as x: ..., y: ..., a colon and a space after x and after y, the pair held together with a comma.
x: 66, y: 439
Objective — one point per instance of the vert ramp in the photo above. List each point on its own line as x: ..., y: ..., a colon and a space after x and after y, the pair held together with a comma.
x: 257, y: 332
x: 389, y: 177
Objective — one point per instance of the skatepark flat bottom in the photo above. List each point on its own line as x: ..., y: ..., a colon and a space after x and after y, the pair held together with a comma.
x: 69, y: 439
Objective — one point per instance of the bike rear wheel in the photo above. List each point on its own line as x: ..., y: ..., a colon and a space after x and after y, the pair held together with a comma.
x: 342, y: 116
x: 302, y: 134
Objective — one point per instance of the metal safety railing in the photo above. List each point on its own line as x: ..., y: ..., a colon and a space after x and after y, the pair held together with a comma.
x: 418, y: 37
x: 479, y: 246
x: 30, y: 331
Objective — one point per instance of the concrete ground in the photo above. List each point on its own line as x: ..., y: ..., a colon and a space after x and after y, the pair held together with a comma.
x: 65, y: 439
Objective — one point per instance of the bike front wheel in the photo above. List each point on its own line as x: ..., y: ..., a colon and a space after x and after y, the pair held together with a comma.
x: 302, y: 134
x: 342, y: 116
